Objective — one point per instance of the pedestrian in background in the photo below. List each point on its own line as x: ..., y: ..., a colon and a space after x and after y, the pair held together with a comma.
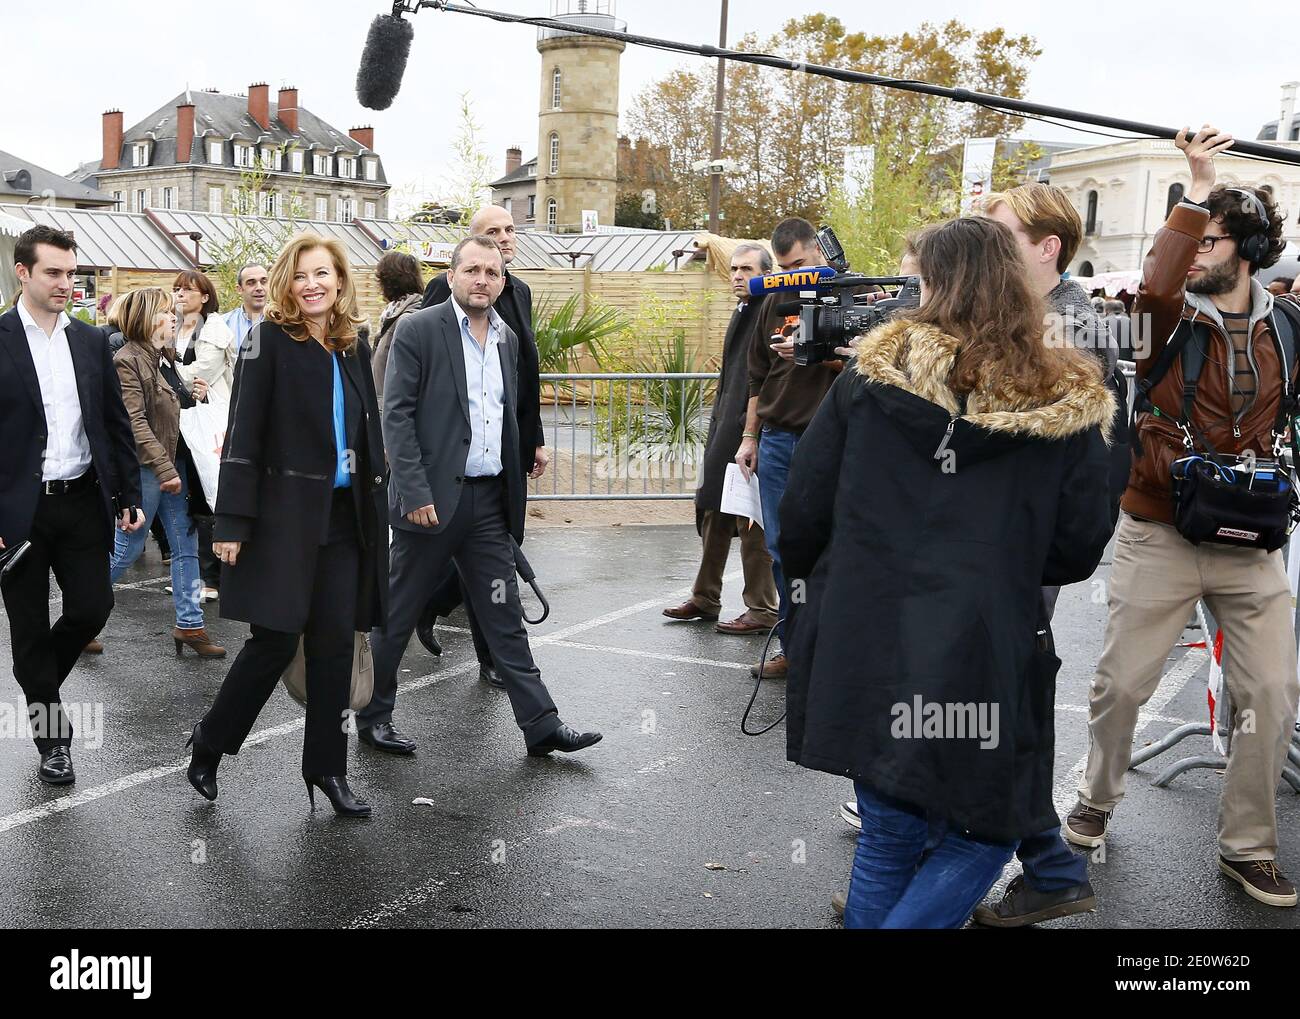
x: 147, y: 322
x: 206, y: 349
x: 402, y: 285
x: 726, y: 425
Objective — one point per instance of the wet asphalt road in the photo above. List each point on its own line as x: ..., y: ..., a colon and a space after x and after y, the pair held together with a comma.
x: 676, y: 819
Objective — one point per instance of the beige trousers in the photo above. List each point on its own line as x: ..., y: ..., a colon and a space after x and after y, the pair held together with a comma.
x: 1155, y: 582
x: 717, y: 530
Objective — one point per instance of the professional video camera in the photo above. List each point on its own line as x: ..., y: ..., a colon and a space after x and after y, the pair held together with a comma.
x: 834, y: 303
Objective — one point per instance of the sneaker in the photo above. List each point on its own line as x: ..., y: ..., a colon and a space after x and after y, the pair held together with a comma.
x: 209, y: 594
x: 1021, y: 906
x: 773, y: 668
x: 849, y: 811
x: 1261, y: 879
x: 1086, y: 826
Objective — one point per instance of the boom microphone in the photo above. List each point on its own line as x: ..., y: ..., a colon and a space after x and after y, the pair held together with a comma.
x: 383, y: 61
x: 798, y: 279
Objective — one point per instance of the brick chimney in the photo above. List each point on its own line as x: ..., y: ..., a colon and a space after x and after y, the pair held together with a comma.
x: 1288, y: 111
x: 112, y: 157
x: 259, y: 104
x: 287, y: 109
x: 514, y: 157
x: 363, y: 136
x: 184, y: 131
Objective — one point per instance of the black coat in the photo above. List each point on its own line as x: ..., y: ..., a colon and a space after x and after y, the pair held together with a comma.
x: 515, y: 306
x: 277, y: 479
x: 922, y: 577
x: 727, y: 422
x: 22, y: 426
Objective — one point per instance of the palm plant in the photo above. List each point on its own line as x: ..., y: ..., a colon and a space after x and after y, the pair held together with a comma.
x: 673, y: 424
x: 563, y: 332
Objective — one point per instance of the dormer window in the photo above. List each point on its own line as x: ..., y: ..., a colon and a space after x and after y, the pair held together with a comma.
x: 270, y: 157
x: 295, y: 161
x: 532, y: 169
x: 372, y: 169
x: 216, y: 152
x: 347, y: 167
x: 320, y: 164
x: 140, y: 154
x: 243, y: 155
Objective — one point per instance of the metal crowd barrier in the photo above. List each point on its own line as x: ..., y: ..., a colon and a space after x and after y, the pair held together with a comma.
x: 631, y: 435
x: 624, y: 435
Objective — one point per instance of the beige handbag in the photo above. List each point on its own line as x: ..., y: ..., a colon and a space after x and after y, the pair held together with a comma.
x: 363, y: 674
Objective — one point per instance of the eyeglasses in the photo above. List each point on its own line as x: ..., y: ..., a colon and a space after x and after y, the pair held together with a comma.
x: 1207, y: 243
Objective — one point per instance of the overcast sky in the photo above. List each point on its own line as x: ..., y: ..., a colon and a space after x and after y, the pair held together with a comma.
x: 64, y: 64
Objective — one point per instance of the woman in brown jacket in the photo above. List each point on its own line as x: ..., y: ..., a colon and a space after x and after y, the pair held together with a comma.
x: 146, y: 320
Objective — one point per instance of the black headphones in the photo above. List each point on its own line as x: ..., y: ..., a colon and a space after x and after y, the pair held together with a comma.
x: 1254, y: 248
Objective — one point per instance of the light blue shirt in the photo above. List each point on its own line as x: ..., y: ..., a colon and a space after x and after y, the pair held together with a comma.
x: 241, y: 325
x: 343, y: 461
x: 486, y: 393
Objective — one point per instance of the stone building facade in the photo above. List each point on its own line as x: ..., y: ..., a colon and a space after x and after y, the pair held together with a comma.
x: 198, y: 151
x: 577, y: 147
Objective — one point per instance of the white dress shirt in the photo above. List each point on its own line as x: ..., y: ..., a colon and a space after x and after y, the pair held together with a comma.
x: 486, y: 393
x: 67, y: 450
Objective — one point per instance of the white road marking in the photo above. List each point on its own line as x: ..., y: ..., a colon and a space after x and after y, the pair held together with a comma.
x: 127, y: 782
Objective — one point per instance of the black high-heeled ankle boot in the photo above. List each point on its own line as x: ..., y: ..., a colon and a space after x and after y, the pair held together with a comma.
x: 202, y: 771
x: 340, y: 796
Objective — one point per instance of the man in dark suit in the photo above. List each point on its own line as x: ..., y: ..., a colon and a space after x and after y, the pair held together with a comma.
x: 70, y: 469
x: 456, y: 491
x: 515, y: 306
x: 726, y: 425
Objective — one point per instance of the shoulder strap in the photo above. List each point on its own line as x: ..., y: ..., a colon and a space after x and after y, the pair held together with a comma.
x: 1181, y: 335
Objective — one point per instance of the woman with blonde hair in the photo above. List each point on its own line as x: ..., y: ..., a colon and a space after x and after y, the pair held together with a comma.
x: 300, y: 516
x: 958, y: 467
x: 144, y: 318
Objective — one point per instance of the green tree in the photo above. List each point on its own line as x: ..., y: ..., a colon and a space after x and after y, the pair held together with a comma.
x: 788, y: 130
x: 250, y: 237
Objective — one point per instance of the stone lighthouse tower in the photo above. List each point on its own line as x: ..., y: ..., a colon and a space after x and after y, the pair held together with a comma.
x: 577, y: 135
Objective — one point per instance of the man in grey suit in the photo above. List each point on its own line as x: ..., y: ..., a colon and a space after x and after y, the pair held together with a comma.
x: 456, y: 493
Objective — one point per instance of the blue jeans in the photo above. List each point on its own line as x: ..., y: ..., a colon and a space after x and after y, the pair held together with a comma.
x: 1050, y: 865
x: 909, y: 874
x: 775, y: 450
x: 174, y: 512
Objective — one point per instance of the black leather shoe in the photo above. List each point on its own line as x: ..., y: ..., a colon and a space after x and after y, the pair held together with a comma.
x: 202, y: 771
x: 1021, y: 906
x: 424, y: 630
x: 490, y: 676
x: 56, y: 766
x: 335, y: 787
x: 382, y: 736
x: 565, y: 740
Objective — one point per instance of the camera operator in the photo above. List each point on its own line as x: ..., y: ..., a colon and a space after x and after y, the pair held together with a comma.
x: 783, y: 397
x: 1199, y: 291
x: 957, y: 466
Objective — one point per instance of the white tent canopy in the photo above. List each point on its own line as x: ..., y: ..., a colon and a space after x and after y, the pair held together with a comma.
x: 1111, y: 282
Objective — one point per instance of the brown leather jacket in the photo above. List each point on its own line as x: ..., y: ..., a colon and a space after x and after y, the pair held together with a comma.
x: 153, y: 406
x: 1161, y: 304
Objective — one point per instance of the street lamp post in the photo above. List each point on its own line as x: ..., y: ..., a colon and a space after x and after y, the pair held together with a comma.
x: 715, y: 177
